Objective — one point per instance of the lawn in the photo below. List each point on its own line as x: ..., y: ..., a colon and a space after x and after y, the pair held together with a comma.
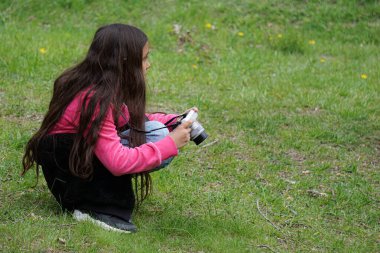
x: 288, y: 92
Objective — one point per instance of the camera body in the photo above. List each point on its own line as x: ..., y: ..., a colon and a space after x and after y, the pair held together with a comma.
x: 197, y: 134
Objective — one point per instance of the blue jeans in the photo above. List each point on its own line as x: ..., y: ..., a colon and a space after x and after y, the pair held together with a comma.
x: 152, y: 137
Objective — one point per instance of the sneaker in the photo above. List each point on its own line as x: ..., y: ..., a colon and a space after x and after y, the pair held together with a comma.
x: 106, y: 221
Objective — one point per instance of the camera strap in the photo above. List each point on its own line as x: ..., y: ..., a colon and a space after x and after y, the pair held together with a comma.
x: 167, y: 124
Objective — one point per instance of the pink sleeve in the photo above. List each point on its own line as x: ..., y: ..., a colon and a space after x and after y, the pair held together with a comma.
x: 120, y: 160
x: 163, y: 118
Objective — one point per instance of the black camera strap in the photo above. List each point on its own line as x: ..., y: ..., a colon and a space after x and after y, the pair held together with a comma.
x: 167, y: 124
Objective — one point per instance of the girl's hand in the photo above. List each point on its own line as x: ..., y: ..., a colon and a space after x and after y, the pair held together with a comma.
x: 181, y: 134
x: 193, y: 108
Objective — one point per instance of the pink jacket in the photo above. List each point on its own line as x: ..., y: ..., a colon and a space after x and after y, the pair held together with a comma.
x: 118, y: 159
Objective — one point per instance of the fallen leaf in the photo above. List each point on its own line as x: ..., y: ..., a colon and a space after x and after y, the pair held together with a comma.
x: 61, y: 240
x: 314, y: 193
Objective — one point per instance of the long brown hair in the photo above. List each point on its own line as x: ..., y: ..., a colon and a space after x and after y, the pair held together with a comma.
x: 112, y: 75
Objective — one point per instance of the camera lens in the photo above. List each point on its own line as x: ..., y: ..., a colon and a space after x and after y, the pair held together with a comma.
x: 200, y: 138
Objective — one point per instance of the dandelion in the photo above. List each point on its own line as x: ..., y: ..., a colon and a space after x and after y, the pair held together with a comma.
x: 279, y: 35
x: 194, y: 66
x: 322, y: 60
x: 241, y: 34
x: 42, y: 50
x: 311, y: 42
x: 363, y: 76
x: 210, y: 26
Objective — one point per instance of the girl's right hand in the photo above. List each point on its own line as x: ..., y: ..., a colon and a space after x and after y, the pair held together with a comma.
x: 181, y: 134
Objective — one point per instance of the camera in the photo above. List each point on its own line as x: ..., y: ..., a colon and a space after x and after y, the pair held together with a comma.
x: 197, y: 134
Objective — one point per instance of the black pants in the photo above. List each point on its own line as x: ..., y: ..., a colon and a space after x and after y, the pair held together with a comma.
x: 104, y: 193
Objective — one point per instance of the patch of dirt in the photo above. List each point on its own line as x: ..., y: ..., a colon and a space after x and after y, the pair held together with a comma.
x: 309, y: 110
x: 295, y: 156
x: 213, y: 186
x: 183, y: 37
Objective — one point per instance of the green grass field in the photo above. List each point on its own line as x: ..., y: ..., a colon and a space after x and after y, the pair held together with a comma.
x: 288, y: 91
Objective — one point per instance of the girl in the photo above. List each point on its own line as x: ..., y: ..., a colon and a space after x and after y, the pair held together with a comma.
x: 96, y: 135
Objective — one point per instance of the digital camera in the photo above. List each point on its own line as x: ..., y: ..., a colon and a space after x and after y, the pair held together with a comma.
x: 197, y: 134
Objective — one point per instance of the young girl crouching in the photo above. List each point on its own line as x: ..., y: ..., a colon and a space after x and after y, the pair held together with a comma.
x: 96, y: 136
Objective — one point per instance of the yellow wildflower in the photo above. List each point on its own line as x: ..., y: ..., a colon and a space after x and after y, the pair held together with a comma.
x: 364, y: 76
x: 42, y: 50
x: 210, y: 26
x: 311, y: 42
x: 241, y: 34
x: 279, y: 35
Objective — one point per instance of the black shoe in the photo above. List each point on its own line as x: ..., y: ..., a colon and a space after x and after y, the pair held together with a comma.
x: 106, y: 221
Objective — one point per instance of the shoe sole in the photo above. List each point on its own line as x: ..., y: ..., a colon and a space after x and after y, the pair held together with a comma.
x: 79, y: 216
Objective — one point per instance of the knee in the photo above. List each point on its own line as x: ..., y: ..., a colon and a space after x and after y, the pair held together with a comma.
x: 152, y: 125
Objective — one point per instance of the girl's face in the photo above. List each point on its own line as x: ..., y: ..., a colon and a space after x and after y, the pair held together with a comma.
x: 145, y: 63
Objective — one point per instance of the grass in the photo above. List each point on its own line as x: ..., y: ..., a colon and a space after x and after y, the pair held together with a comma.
x: 287, y: 90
